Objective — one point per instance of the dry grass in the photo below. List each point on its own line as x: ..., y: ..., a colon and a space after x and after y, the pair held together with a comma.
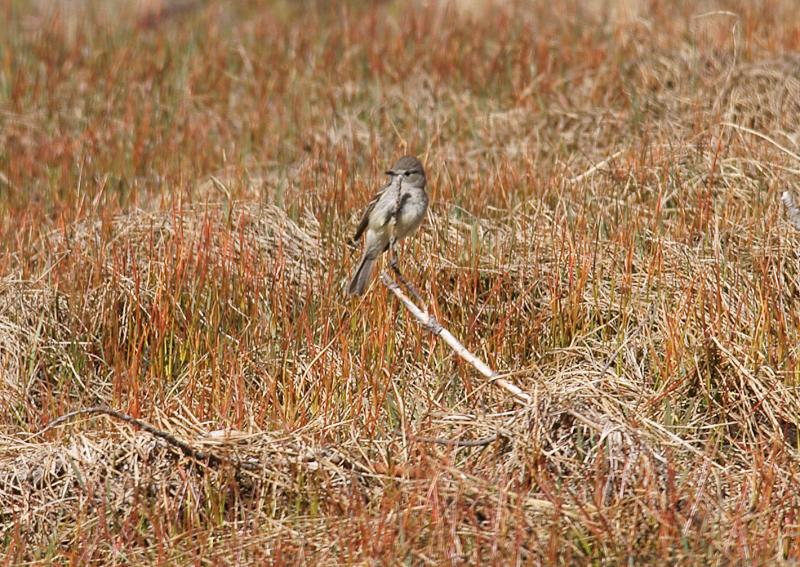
x: 177, y: 182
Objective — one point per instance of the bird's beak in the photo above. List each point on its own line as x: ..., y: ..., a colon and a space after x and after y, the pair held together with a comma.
x: 391, y: 172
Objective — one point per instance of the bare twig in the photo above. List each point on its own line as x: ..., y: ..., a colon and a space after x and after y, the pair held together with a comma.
x: 596, y: 167
x: 430, y: 323
x: 182, y: 446
x: 480, y: 442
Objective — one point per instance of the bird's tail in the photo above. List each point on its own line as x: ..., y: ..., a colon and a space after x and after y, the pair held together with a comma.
x: 361, y: 277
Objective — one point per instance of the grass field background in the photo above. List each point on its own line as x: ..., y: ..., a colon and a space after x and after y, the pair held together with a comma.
x: 177, y: 183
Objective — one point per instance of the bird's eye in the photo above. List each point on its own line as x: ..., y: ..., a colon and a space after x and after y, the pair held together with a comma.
x: 407, y: 173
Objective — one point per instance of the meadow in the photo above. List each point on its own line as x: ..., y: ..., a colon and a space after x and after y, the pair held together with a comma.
x: 178, y: 181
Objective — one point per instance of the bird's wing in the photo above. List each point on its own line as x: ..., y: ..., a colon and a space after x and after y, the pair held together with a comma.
x: 791, y: 208
x: 362, y: 226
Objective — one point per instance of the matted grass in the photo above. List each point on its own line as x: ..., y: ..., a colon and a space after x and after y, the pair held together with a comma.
x: 177, y: 184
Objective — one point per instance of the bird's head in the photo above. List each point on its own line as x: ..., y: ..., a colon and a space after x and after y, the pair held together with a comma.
x: 409, y: 170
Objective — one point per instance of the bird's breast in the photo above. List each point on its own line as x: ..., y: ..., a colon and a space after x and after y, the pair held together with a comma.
x: 413, y: 204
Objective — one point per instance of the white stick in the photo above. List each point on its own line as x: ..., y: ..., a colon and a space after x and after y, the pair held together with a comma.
x: 596, y: 167
x: 432, y: 325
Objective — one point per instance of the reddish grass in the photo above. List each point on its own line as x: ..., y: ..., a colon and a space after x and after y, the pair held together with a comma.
x: 177, y: 183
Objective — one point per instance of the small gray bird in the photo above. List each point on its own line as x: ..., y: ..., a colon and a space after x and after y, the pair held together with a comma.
x: 402, y: 197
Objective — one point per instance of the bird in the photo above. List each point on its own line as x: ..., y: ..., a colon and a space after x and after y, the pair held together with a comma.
x: 402, y: 198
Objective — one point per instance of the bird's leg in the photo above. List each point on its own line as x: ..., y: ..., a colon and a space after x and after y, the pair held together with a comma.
x: 408, y: 285
x: 393, y: 256
x: 393, y: 237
